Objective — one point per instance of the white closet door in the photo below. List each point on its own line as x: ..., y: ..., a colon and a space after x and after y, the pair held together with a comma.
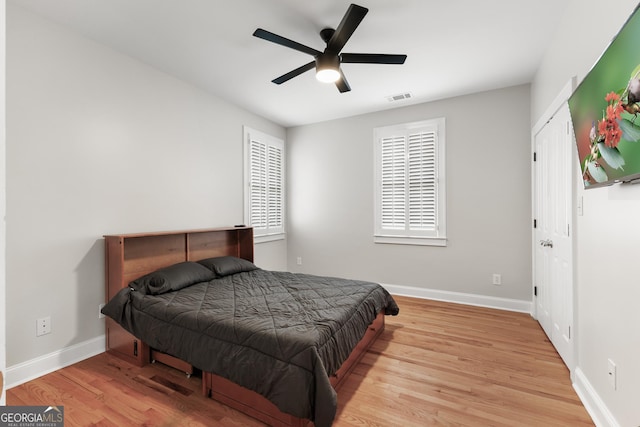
x: 553, y: 247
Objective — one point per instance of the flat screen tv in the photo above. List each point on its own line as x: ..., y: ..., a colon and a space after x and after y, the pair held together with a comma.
x: 605, y: 112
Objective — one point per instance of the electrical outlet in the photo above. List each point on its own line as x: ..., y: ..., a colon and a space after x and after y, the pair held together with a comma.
x: 299, y: 260
x: 611, y: 373
x: 100, y: 315
x: 497, y: 279
x: 43, y: 326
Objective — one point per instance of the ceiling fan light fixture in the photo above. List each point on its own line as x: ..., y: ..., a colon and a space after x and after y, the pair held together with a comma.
x: 327, y: 68
x: 328, y: 75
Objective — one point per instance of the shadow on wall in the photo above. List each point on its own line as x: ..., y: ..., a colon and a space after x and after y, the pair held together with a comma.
x: 89, y: 294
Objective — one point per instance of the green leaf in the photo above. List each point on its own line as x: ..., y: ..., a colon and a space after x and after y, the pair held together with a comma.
x: 612, y: 156
x: 586, y: 159
x: 597, y: 172
x: 635, y: 73
x: 630, y: 131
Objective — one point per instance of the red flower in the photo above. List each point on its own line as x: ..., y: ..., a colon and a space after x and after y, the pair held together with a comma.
x: 614, y: 112
x: 612, y: 96
x: 611, y: 132
x: 608, y: 127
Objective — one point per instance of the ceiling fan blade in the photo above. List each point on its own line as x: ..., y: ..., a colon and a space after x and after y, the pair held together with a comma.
x: 342, y: 84
x: 372, y: 58
x: 291, y: 74
x: 355, y: 14
x: 274, y: 38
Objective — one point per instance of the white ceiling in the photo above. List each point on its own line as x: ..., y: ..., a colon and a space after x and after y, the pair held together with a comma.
x: 454, y: 47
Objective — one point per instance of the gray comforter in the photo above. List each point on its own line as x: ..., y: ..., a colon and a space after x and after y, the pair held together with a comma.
x: 279, y: 334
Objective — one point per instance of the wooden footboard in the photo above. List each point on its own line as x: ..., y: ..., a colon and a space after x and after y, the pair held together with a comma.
x: 257, y: 406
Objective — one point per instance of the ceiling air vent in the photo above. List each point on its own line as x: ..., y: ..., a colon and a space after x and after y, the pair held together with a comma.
x: 398, y: 97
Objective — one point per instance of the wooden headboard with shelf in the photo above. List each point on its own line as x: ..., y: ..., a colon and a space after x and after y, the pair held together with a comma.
x: 129, y: 256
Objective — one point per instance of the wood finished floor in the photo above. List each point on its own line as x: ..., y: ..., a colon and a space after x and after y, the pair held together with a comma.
x: 435, y: 364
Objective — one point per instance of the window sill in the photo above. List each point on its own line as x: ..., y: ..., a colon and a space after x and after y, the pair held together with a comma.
x: 268, y: 238
x: 411, y: 240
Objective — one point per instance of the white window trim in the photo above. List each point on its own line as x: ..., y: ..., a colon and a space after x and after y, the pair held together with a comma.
x: 408, y: 237
x: 262, y: 235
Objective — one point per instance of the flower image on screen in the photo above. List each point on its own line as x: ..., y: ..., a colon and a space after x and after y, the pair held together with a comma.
x: 605, y: 110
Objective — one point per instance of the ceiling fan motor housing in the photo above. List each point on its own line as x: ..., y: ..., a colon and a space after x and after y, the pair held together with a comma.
x: 326, y: 34
x: 327, y: 60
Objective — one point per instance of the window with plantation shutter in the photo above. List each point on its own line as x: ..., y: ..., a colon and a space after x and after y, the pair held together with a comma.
x: 264, y: 185
x: 410, y: 187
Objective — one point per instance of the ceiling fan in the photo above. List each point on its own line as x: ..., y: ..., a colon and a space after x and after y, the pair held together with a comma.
x: 327, y: 63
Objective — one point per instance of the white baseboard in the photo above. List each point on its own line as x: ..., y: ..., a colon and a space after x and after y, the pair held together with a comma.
x: 594, y: 405
x: 462, y: 298
x: 34, y: 368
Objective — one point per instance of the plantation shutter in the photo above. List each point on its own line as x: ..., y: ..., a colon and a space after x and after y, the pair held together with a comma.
x: 409, y: 182
x: 258, y: 184
x: 274, y: 188
x: 393, y: 183
x: 265, y: 200
x: 422, y: 181
x: 409, y: 194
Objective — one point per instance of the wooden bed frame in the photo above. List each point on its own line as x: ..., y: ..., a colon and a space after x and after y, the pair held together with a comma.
x: 129, y: 256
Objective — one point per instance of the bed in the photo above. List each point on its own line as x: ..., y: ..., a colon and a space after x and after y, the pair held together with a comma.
x: 275, y: 345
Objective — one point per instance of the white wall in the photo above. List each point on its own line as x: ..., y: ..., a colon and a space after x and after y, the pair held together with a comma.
x: 607, y: 290
x: 99, y: 143
x: 3, y: 323
x: 330, y: 170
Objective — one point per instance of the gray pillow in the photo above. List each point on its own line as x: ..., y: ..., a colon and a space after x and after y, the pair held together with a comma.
x: 226, y: 265
x: 172, y: 278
